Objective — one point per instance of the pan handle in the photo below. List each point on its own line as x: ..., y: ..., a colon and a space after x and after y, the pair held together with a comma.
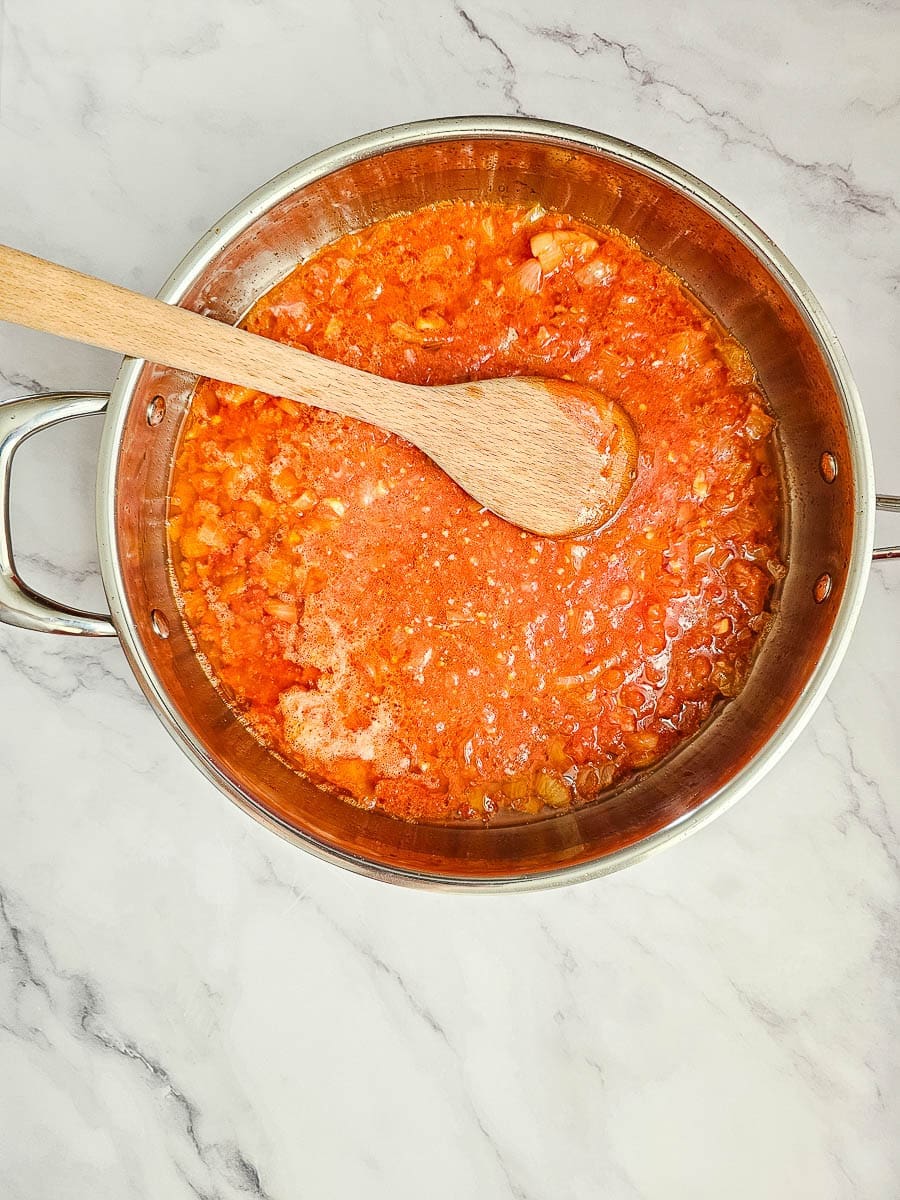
x: 887, y: 504
x: 19, y: 604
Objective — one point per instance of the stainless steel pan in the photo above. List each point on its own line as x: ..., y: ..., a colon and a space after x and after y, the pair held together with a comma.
x: 736, y: 272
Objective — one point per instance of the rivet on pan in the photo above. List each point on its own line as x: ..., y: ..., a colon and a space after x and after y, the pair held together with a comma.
x: 828, y: 466
x: 156, y: 410
x: 822, y: 589
x: 159, y: 623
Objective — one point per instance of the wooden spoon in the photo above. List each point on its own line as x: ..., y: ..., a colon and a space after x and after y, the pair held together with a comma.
x: 530, y: 450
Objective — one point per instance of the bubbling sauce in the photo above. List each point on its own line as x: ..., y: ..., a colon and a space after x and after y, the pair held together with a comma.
x: 408, y: 649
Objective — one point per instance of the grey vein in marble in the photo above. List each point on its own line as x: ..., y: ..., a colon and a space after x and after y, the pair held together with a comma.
x: 727, y: 124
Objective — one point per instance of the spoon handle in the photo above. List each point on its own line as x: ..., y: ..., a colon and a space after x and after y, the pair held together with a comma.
x: 54, y: 299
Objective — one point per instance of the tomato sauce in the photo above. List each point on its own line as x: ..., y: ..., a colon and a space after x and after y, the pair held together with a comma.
x: 399, y: 644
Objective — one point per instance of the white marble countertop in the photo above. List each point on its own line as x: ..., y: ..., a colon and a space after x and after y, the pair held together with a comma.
x: 190, y: 1007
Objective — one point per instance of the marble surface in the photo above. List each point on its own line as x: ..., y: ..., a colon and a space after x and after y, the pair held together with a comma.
x: 189, y: 1007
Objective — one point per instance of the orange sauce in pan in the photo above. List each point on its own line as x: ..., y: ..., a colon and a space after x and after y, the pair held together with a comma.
x: 414, y: 652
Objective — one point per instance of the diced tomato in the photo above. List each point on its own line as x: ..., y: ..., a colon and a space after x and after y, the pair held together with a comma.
x: 414, y: 652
